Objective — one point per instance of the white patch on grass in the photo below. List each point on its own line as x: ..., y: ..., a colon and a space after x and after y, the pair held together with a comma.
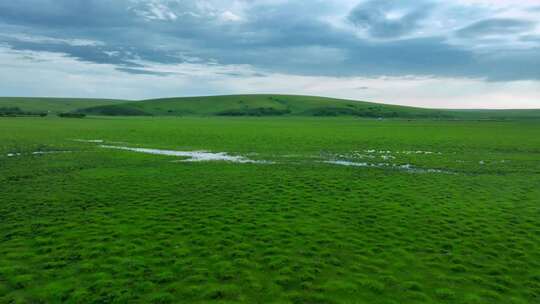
x: 420, y: 152
x: 95, y: 141
x: 387, y: 152
x: 192, y: 156
x: 49, y: 152
x: 348, y: 163
x: 37, y: 153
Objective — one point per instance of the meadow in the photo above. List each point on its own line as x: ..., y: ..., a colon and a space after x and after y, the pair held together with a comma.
x: 331, y: 210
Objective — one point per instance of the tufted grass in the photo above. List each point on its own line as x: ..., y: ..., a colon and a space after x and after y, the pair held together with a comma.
x: 108, y: 226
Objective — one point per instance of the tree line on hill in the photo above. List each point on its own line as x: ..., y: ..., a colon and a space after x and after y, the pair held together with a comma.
x: 17, y: 112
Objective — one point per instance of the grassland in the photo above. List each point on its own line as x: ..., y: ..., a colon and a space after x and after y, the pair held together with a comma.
x: 94, y: 225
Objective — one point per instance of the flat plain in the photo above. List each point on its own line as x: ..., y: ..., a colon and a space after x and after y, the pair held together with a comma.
x: 330, y: 210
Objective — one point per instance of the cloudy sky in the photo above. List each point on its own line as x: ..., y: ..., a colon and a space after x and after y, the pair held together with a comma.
x: 436, y: 53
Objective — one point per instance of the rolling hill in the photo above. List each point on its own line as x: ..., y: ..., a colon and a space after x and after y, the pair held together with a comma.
x: 260, y: 105
x: 254, y: 105
x: 292, y: 105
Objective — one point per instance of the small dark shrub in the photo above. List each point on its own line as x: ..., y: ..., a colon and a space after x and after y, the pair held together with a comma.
x: 72, y: 115
x: 114, y: 110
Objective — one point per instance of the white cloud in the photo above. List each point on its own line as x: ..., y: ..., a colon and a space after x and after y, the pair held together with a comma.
x: 230, y: 16
x: 112, y: 53
x: 171, y: 10
x: 155, y: 10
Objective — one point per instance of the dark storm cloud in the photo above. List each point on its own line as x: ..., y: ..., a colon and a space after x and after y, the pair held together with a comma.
x: 389, y: 18
x: 66, y: 13
x: 292, y: 37
x: 495, y: 27
x: 84, y: 53
x: 143, y: 72
x: 530, y: 38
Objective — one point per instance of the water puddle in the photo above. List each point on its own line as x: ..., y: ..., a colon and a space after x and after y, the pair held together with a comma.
x: 347, y: 163
x: 406, y: 167
x: 193, y: 156
x: 95, y: 141
x: 373, y: 151
x: 204, y: 156
x: 36, y: 153
x: 49, y: 152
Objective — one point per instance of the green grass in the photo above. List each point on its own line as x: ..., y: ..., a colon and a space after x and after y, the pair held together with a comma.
x: 53, y: 105
x: 100, y: 226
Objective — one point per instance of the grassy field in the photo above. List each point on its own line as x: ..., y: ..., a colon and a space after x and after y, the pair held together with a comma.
x: 430, y: 212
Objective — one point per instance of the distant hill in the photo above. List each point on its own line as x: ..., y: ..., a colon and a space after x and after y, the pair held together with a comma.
x: 254, y: 105
x: 261, y: 105
x: 54, y: 105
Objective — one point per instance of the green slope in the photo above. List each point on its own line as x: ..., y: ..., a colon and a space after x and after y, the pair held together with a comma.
x: 261, y: 105
x: 53, y: 105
